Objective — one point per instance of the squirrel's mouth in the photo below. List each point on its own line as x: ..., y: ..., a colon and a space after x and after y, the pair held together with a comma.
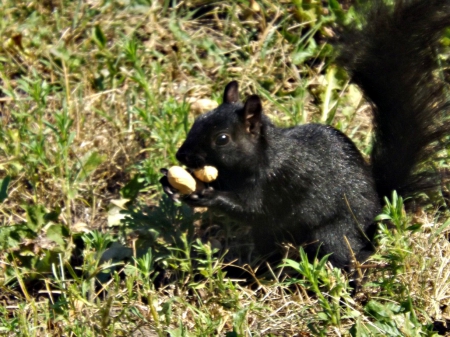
x: 191, y: 161
x: 192, y: 165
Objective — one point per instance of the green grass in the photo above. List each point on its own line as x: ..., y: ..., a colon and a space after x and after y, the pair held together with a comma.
x: 96, y: 97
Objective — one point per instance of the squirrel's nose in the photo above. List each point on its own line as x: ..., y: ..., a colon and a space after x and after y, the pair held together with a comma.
x: 191, y: 160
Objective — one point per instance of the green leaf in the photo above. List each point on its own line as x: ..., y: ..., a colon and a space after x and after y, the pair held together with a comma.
x: 381, y: 217
x: 90, y: 164
x: 58, y: 233
x: 358, y: 329
x: 4, y: 188
x: 99, y: 37
x: 12, y: 236
x: 415, y: 227
x: 302, y: 53
x: 132, y: 188
x: 35, y: 217
x: 377, y: 310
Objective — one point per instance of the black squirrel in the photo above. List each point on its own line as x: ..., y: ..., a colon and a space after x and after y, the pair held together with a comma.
x: 309, y: 185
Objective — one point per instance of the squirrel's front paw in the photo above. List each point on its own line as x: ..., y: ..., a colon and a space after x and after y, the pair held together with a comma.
x: 203, y: 198
x: 173, y: 193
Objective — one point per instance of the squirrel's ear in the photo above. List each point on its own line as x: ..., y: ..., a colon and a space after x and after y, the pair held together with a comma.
x: 252, y: 114
x: 231, y: 93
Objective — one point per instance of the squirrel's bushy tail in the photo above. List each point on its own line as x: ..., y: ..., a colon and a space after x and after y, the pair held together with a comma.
x: 393, y: 60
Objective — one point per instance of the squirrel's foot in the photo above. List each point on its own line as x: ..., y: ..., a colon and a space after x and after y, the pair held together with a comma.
x: 203, y: 198
x: 172, y: 192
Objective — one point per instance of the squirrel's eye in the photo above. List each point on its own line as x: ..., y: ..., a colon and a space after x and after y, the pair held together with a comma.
x: 222, y: 139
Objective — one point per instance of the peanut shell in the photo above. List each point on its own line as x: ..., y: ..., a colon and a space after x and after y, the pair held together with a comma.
x: 181, y: 179
x: 206, y: 174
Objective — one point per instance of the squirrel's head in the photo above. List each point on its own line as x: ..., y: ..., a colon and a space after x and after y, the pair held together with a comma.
x: 227, y: 137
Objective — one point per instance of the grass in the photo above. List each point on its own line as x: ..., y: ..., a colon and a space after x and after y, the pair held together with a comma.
x: 96, y: 97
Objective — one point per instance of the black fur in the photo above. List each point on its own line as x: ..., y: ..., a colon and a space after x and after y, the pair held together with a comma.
x: 309, y: 184
x: 393, y: 61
